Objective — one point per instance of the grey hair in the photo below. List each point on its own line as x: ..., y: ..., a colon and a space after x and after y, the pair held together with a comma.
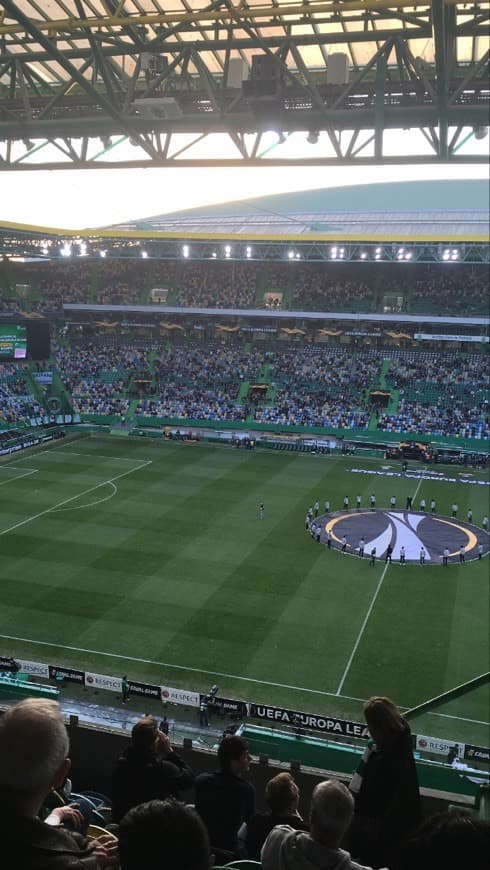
x: 331, y: 811
x: 33, y: 745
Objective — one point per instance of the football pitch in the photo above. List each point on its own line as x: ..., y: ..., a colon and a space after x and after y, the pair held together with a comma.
x: 134, y: 555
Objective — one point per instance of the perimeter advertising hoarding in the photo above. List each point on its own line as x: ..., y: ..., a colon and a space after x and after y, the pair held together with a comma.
x: 325, y: 724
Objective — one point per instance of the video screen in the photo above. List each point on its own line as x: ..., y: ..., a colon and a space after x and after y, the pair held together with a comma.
x: 13, y: 342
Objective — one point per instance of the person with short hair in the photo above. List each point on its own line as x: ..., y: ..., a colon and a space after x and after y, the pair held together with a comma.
x: 34, y: 759
x: 316, y: 508
x: 433, y: 506
x: 469, y: 515
x: 393, y: 502
x: 224, y: 799
x: 372, y: 501
x: 361, y: 548
x: 331, y: 811
x: 462, y: 553
x: 282, y: 798
x: 422, y: 556
x: 449, y: 840
x: 445, y: 557
x: 372, y: 560
x: 327, y: 506
x: 402, y: 555
x: 358, y: 502
x: 454, y: 509
x: 149, y: 768
x: 346, y: 503
x: 161, y: 834
x: 343, y: 544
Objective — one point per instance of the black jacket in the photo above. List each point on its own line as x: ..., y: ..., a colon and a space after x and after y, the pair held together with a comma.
x: 29, y: 844
x: 224, y: 801
x: 142, y: 776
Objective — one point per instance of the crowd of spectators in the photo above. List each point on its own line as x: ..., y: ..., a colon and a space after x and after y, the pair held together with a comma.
x: 443, y: 288
x: 375, y: 820
x: 305, y: 385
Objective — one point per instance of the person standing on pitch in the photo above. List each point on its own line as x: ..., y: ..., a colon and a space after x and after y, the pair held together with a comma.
x: 445, y: 557
x: 393, y: 502
x: 372, y: 560
x: 408, y: 505
x: 454, y: 510
x: 469, y: 515
x: 361, y: 548
x: 485, y: 523
x: 461, y: 553
x: 327, y: 506
x: 402, y: 555
x: 346, y: 503
x: 433, y: 506
x: 261, y: 511
x: 329, y: 539
x: 358, y: 502
x: 389, y: 552
x: 125, y: 689
x: 316, y: 508
x: 373, y: 501
x: 422, y: 504
x: 344, y: 544
x: 422, y: 555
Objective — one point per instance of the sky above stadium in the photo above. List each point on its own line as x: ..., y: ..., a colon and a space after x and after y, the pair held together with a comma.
x: 78, y: 199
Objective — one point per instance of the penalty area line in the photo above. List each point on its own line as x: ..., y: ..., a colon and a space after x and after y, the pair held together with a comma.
x: 60, y: 504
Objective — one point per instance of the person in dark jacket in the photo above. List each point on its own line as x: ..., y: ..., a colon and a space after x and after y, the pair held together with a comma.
x: 282, y: 796
x: 33, y: 759
x: 385, y: 787
x: 148, y: 769
x: 224, y: 800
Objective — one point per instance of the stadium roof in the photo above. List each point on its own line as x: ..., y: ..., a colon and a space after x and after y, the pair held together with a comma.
x: 80, y: 78
x: 417, y: 210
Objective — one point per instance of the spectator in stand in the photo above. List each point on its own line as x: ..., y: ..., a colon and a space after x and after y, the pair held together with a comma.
x: 449, y: 840
x: 282, y: 797
x: 163, y: 834
x: 386, y: 790
x: 224, y: 799
x: 331, y: 811
x: 148, y: 769
x: 33, y: 759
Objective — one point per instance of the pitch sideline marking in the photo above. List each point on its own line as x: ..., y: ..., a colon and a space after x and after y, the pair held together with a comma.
x: 368, y: 614
x: 212, y: 673
x: 72, y: 498
x: 18, y: 476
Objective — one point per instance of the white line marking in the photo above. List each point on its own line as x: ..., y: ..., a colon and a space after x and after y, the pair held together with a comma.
x: 215, y: 674
x: 176, y: 667
x: 81, y: 507
x: 40, y: 449
x: 18, y: 476
x: 363, y: 626
x: 72, y: 498
x: 98, y: 456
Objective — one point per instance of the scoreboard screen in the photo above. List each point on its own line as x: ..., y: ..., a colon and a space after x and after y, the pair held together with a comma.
x: 13, y: 342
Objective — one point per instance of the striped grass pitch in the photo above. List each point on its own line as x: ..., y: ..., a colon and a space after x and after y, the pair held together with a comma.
x: 148, y: 557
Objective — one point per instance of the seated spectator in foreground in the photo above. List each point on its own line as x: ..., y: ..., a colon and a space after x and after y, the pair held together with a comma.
x: 148, y: 769
x: 282, y: 796
x: 163, y: 835
x: 33, y: 759
x: 224, y: 800
x: 449, y: 841
x: 331, y: 811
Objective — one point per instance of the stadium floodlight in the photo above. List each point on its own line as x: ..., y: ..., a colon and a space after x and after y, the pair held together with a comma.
x: 446, y: 254
x: 249, y: 251
x: 82, y: 249
x: 185, y: 250
x: 378, y: 253
x: 333, y: 252
x: 408, y: 255
x: 401, y: 250
x: 298, y: 255
x: 291, y: 255
x: 144, y: 254
x: 65, y: 251
x: 103, y: 253
x: 214, y: 255
x: 363, y: 255
x: 454, y: 254
x: 44, y: 250
x: 227, y: 250
x: 342, y: 253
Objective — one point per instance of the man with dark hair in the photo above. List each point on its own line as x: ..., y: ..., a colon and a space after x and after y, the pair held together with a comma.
x: 224, y: 800
x: 282, y: 797
x: 331, y: 811
x: 148, y: 769
x: 33, y: 759
x: 449, y: 841
x: 163, y: 834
